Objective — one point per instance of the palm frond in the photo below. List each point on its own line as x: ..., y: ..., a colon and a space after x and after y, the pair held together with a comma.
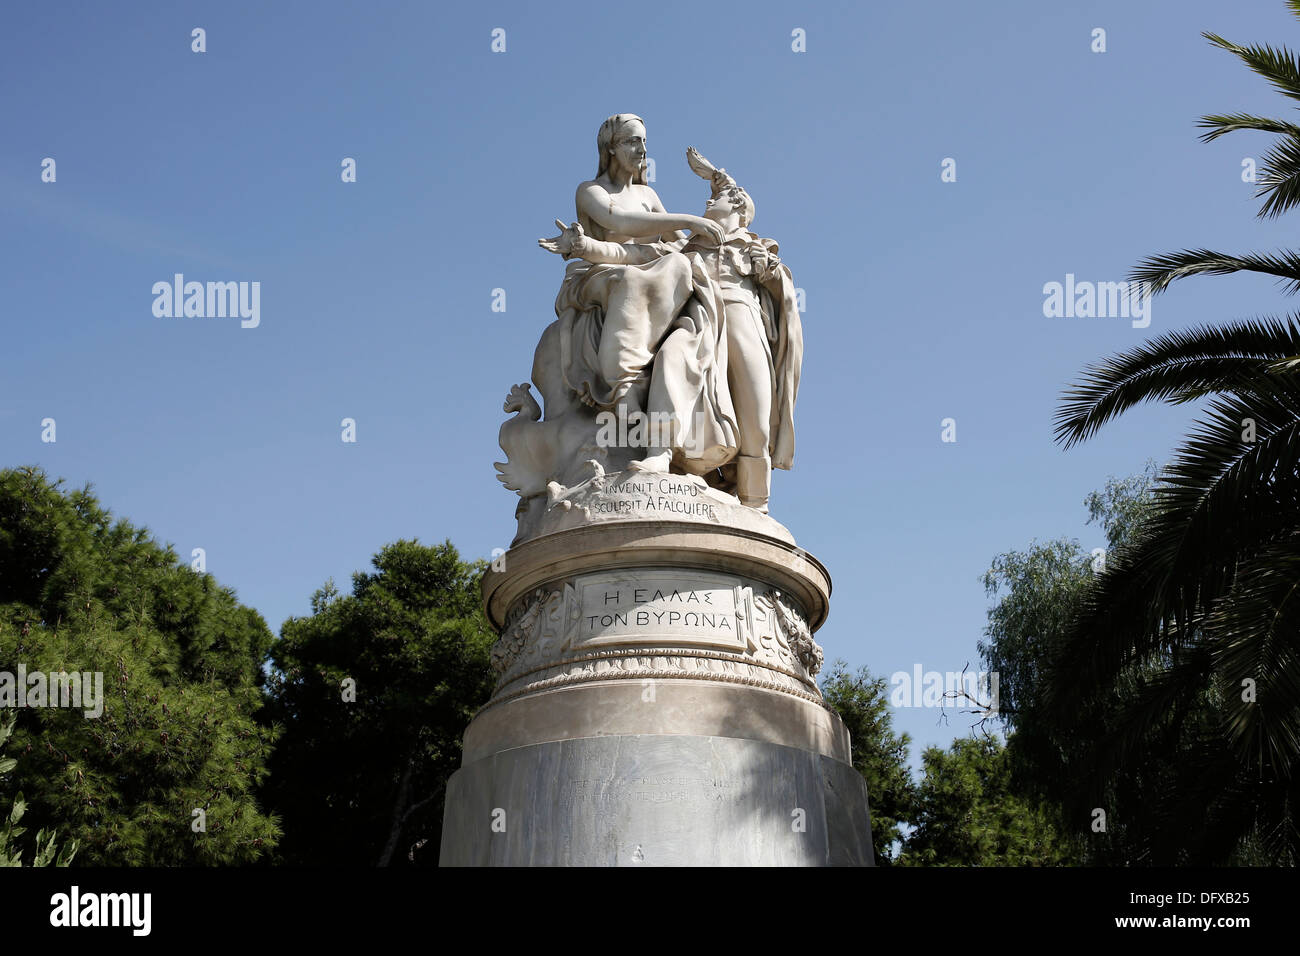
x: 1145, y: 706
x: 1280, y: 67
x: 1157, y: 273
x: 1211, y: 807
x: 1224, y: 497
x: 1177, y: 367
x: 1279, y: 178
x: 1220, y: 124
x: 1221, y: 501
x: 1256, y: 634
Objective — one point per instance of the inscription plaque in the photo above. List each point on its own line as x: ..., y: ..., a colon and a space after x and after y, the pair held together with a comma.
x: 678, y: 606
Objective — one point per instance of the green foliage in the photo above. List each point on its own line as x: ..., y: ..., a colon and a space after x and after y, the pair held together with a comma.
x: 416, y: 644
x: 1041, y: 587
x: 1186, y: 642
x: 1151, y: 752
x: 1122, y: 506
x: 967, y: 813
x: 1039, y: 593
x: 862, y: 701
x: 11, y: 854
x: 180, y: 664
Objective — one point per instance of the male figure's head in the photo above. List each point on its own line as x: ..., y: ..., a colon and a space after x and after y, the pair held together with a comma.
x: 730, y: 207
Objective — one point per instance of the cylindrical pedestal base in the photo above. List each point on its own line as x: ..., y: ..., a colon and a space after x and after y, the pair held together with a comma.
x: 656, y: 700
x: 656, y: 800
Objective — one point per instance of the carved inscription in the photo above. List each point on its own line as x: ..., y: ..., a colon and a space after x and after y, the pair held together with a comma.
x: 685, y: 608
x: 671, y: 496
x: 690, y: 790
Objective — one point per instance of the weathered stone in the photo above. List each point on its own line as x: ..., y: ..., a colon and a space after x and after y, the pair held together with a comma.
x: 656, y: 801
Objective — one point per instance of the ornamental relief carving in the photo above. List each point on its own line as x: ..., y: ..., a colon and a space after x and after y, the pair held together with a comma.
x: 536, y: 630
x: 792, y: 631
x: 652, y: 666
x: 551, y: 626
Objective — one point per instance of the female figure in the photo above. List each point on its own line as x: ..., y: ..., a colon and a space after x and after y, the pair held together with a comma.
x: 764, y: 336
x: 646, y: 337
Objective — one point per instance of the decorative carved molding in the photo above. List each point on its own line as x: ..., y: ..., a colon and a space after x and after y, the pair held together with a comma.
x: 518, y: 631
x: 794, y: 628
x: 669, y: 654
x: 541, y: 627
x: 673, y: 664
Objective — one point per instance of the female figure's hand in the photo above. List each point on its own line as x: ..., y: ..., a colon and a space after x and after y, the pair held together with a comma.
x: 571, y: 241
x: 701, y: 226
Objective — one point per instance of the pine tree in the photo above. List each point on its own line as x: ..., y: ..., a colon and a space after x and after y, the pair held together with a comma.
x: 374, y: 691
x: 968, y: 813
x: 11, y: 851
x: 879, y: 754
x: 166, y: 774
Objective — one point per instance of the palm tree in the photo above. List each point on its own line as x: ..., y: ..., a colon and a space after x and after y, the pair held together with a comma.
x: 1190, y: 638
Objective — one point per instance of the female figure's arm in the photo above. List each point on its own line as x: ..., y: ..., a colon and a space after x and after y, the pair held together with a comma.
x: 594, y: 202
x: 573, y: 243
x: 659, y: 207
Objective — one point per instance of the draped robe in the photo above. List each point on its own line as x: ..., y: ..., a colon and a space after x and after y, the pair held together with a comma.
x: 672, y: 331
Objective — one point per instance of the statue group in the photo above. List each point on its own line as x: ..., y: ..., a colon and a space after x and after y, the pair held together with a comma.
x: 677, y: 344
x: 656, y: 700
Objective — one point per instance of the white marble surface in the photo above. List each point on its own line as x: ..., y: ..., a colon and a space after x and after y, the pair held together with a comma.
x: 657, y: 801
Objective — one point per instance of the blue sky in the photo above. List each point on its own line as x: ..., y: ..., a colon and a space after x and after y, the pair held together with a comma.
x: 924, y: 298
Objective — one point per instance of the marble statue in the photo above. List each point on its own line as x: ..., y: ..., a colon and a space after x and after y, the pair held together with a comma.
x: 697, y: 335
x: 656, y: 698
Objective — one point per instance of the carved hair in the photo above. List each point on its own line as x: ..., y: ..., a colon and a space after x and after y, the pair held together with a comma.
x: 741, y: 200
x: 609, y: 131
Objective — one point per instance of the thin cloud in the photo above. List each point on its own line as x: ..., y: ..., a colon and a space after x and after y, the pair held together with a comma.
x: 53, y: 206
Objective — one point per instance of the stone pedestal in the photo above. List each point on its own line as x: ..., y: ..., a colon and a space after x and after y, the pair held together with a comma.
x: 656, y: 702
